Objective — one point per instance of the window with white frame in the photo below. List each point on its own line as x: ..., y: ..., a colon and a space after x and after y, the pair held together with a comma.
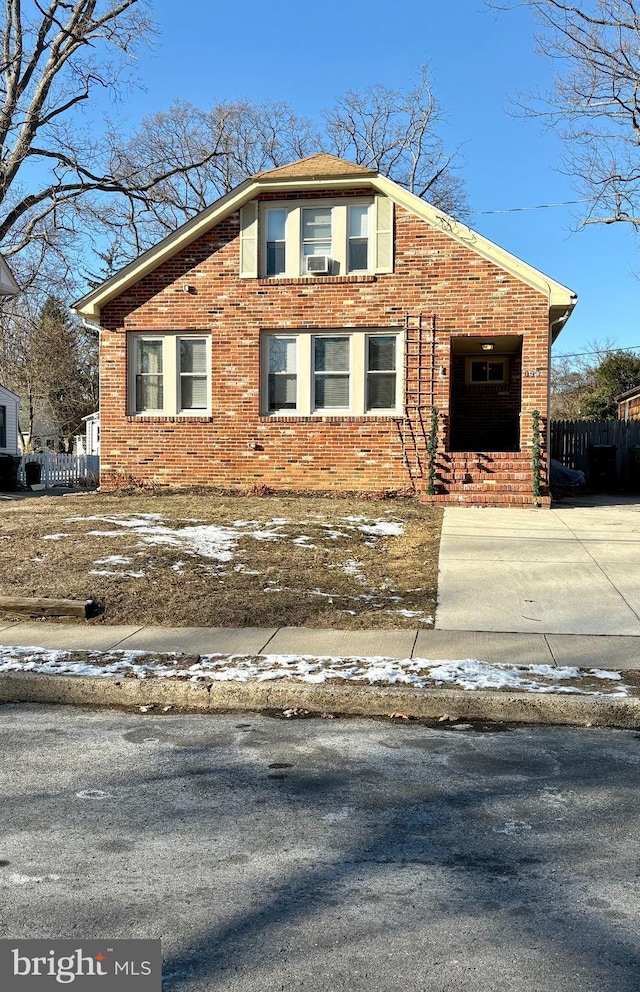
x: 350, y: 372
x: 298, y: 236
x: 331, y: 372
x: 382, y: 371
x: 317, y: 237
x: 3, y: 427
x: 276, y: 243
x: 169, y: 374
x: 358, y: 238
x: 282, y: 379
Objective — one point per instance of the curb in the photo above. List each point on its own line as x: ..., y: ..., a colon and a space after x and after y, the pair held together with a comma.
x: 552, y: 709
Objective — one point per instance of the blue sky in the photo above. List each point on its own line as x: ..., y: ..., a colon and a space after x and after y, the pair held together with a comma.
x: 308, y: 54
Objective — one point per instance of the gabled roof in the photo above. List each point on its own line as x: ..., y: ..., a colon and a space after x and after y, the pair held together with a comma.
x: 320, y: 172
x: 5, y: 389
x: 630, y: 393
x: 8, y: 284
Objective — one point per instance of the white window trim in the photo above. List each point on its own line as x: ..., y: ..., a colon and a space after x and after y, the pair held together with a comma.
x: 294, y: 258
x: 357, y: 372
x: 171, y: 374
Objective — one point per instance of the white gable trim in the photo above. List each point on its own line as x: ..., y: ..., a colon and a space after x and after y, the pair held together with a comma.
x: 557, y: 294
x: 90, y: 305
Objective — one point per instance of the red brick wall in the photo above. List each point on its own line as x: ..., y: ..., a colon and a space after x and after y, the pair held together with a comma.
x: 236, y: 446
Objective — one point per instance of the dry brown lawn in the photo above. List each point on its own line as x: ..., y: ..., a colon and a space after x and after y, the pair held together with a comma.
x: 200, y: 559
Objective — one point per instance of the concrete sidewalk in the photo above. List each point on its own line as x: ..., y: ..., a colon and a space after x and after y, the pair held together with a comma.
x: 572, y: 570
x: 582, y: 651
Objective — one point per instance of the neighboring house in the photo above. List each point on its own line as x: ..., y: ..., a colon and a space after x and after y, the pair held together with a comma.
x: 298, y: 333
x: 9, y: 404
x: 629, y: 404
x: 89, y: 444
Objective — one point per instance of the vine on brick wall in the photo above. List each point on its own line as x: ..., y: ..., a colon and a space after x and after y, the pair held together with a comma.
x: 432, y: 450
x: 537, y: 447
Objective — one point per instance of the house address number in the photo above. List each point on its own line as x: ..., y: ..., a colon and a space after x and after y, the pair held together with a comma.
x: 533, y: 373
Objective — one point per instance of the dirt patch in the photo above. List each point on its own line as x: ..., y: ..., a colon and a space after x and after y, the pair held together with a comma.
x: 197, y: 559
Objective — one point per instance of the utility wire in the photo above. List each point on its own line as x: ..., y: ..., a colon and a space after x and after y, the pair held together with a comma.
x: 539, y: 206
x: 605, y: 351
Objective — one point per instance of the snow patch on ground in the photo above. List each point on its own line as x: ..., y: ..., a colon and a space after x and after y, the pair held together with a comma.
x: 419, y: 673
x: 219, y: 542
x: 120, y: 575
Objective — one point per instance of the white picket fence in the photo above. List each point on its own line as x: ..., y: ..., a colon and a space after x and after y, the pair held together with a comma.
x: 63, y: 470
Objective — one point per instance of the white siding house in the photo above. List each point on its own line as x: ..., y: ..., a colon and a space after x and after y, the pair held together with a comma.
x: 8, y: 422
x: 91, y: 443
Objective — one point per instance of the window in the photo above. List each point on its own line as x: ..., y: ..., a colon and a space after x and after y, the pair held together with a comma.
x: 193, y: 374
x: 331, y: 372
x: 170, y: 374
x: 316, y: 232
x: 358, y: 246
x: 282, y: 378
x: 149, y: 375
x: 479, y: 371
x: 381, y: 372
x: 276, y: 251
x: 293, y: 233
x: 3, y: 427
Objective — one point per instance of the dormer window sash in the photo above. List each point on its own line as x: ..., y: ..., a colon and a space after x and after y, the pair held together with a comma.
x: 292, y: 232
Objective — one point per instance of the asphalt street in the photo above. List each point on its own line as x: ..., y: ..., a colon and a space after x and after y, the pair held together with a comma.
x: 273, y: 854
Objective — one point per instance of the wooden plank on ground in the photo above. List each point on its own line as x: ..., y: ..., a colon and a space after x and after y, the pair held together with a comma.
x: 40, y: 606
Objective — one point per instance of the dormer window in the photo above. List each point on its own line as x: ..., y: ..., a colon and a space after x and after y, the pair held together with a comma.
x: 316, y: 232
x: 358, y: 232
x: 307, y: 238
x: 276, y: 243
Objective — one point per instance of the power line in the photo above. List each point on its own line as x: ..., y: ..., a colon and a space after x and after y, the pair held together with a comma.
x: 539, y: 206
x: 605, y: 351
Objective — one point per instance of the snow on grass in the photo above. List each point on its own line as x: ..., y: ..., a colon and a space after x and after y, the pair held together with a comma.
x: 418, y: 614
x: 220, y: 542
x: 54, y: 537
x: 418, y: 673
x: 119, y: 575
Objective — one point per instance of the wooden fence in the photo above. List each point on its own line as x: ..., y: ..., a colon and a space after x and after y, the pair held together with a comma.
x: 63, y: 470
x: 572, y: 443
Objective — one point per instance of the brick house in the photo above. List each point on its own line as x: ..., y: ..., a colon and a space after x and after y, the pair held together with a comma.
x: 298, y: 333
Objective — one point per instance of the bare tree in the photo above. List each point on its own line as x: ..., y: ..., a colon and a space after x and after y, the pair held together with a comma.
x: 72, y: 186
x: 49, y: 359
x: 246, y: 138
x: 594, y: 101
x: 391, y: 131
x: 54, y: 56
x: 397, y: 133
x: 584, y: 386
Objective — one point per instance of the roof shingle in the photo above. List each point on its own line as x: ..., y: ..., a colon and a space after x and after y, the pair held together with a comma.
x: 318, y: 166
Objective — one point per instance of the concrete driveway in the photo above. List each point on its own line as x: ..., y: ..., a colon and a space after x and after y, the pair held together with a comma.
x: 572, y: 570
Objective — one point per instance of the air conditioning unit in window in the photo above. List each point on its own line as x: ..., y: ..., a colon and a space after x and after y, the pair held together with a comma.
x: 317, y: 265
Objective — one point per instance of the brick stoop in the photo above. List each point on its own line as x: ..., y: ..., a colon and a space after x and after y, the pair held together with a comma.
x: 501, y: 478
x: 487, y: 499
